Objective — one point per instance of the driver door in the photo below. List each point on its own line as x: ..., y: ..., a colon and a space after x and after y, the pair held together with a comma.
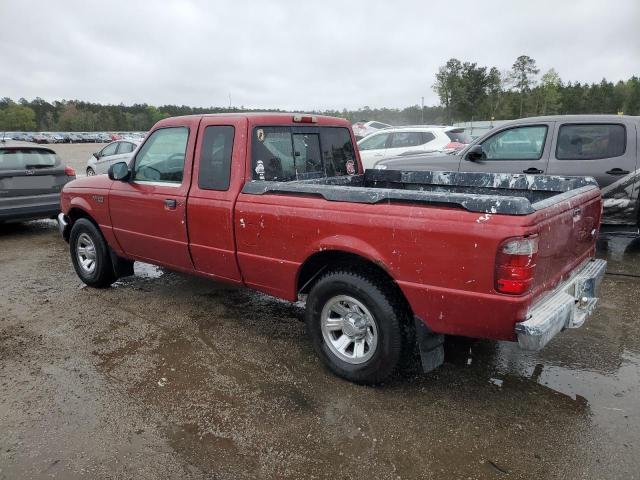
x: 518, y: 149
x: 148, y: 212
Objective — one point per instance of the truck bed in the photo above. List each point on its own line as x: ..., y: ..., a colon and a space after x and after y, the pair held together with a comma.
x: 476, y: 192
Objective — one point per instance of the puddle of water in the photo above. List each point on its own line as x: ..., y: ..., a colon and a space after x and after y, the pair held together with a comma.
x: 146, y: 270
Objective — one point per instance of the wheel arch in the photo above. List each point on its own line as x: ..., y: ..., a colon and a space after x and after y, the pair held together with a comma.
x: 319, y: 262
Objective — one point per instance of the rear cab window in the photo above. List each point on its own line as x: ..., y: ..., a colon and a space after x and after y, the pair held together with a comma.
x: 285, y: 153
x: 591, y: 141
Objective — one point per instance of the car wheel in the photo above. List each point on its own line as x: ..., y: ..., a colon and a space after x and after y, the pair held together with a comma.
x: 358, y: 326
x: 90, y: 172
x: 90, y: 254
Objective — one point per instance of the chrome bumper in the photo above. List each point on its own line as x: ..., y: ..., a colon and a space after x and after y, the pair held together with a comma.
x: 568, y: 306
x: 63, y: 226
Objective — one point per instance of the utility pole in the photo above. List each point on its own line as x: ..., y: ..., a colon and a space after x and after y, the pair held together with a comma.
x: 422, y: 112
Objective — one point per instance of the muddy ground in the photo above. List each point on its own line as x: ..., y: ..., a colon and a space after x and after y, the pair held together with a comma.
x: 170, y: 376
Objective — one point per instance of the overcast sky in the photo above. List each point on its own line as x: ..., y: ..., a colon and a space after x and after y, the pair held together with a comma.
x: 297, y: 55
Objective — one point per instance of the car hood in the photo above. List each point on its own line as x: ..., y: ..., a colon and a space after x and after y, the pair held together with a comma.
x: 96, y: 181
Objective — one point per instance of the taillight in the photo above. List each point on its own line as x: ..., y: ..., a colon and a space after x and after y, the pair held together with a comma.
x: 453, y: 146
x: 69, y: 172
x: 515, y: 265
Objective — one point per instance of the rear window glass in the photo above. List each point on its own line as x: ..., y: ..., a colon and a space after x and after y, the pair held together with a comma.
x: 589, y: 142
x: 458, y: 136
x: 25, y: 158
x: 378, y: 125
x: 286, y: 153
x: 215, y: 160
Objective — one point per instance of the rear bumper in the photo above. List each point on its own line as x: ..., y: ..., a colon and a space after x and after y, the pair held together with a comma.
x: 568, y: 306
x: 29, y: 207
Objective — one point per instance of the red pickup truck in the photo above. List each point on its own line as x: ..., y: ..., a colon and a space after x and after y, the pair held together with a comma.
x: 387, y: 261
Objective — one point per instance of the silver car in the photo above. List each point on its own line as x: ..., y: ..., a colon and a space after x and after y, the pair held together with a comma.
x: 118, y: 151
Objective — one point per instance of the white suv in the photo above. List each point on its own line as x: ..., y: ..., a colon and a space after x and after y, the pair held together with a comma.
x: 400, y: 140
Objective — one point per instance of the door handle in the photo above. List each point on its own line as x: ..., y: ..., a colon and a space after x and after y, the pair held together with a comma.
x: 617, y: 171
x: 170, y: 204
x: 532, y: 170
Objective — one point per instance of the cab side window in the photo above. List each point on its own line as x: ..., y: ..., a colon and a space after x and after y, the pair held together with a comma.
x: 161, y: 158
x: 215, y: 158
x: 591, y: 141
x: 520, y: 143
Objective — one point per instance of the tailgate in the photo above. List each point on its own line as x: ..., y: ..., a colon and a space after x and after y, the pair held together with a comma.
x: 567, y: 236
x: 28, y: 171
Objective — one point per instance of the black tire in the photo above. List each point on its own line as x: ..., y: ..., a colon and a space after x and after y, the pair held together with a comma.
x: 90, y: 172
x: 102, y: 274
x: 389, y: 311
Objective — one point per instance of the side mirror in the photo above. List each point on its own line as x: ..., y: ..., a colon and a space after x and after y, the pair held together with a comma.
x: 119, y: 171
x: 475, y: 153
x: 97, y: 155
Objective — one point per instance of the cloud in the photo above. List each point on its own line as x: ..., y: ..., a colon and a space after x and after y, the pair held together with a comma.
x: 297, y: 55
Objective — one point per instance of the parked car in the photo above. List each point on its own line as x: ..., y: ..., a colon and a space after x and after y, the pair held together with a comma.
x: 22, y: 137
x: 75, y: 138
x: 31, y: 178
x: 119, y: 151
x: 602, y: 146
x: 39, y: 138
x: 362, y: 129
x: 383, y: 260
x: 402, y: 140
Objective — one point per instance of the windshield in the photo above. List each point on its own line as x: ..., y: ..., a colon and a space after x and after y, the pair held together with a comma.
x: 23, y: 158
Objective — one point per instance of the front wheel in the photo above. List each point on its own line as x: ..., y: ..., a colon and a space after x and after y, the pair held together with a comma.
x: 358, y: 326
x: 90, y: 254
x: 90, y: 172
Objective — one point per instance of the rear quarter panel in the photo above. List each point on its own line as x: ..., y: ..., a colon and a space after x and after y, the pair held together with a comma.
x: 442, y: 258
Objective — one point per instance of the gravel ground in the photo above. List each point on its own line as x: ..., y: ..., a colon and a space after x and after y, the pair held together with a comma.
x: 170, y: 376
x: 76, y: 154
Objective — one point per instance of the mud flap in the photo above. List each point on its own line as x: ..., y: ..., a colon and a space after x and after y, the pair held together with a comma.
x: 430, y: 346
x: 121, y: 266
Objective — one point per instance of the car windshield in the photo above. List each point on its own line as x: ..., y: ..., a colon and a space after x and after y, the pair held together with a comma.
x: 23, y: 158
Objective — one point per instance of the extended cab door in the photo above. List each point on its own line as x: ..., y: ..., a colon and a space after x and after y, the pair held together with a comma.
x: 606, y: 151
x: 513, y: 149
x: 218, y: 176
x: 148, y: 212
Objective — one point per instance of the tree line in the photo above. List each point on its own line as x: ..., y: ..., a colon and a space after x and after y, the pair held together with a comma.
x: 470, y: 92
x: 467, y: 92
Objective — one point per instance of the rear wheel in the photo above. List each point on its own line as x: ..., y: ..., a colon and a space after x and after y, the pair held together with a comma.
x: 358, y: 326
x: 90, y: 255
x: 90, y: 172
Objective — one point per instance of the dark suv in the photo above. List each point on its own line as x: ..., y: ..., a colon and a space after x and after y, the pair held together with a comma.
x: 601, y: 146
x: 31, y: 178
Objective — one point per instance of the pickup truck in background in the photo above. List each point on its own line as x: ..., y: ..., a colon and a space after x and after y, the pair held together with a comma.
x: 387, y: 261
x: 605, y: 147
